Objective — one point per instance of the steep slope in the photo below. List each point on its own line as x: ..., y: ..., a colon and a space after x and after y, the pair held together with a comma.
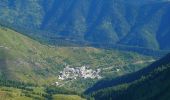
x: 128, y: 77
x: 154, y: 85
x: 24, y: 59
x: 141, y: 23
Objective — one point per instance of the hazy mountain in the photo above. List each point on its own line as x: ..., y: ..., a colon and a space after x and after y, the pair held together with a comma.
x: 143, y: 23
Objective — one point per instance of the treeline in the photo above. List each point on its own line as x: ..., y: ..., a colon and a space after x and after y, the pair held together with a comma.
x: 52, y: 90
x: 28, y: 90
x: 16, y: 84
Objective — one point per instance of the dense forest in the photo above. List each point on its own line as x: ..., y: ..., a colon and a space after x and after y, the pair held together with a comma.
x: 137, y: 23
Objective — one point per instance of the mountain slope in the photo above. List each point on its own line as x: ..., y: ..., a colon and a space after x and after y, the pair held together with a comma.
x: 141, y: 23
x: 128, y: 77
x: 151, y: 86
x: 24, y: 59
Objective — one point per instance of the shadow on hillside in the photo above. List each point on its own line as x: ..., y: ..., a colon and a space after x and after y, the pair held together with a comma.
x: 62, y: 42
x: 129, y: 77
x: 71, y: 42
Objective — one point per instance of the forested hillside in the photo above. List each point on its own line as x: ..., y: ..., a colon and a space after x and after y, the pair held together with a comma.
x: 151, y: 86
x: 139, y: 23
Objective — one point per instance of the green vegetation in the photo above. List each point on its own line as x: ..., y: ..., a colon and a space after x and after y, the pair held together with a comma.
x: 9, y: 93
x: 155, y: 85
x: 18, y: 91
x: 131, y: 23
x: 12, y: 93
x: 14, y: 90
x: 67, y: 97
x: 27, y: 60
x: 126, y: 30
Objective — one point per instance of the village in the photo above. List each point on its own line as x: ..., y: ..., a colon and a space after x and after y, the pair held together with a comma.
x: 73, y: 73
x: 70, y: 73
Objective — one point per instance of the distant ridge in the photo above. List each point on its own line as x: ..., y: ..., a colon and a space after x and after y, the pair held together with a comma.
x: 139, y: 23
